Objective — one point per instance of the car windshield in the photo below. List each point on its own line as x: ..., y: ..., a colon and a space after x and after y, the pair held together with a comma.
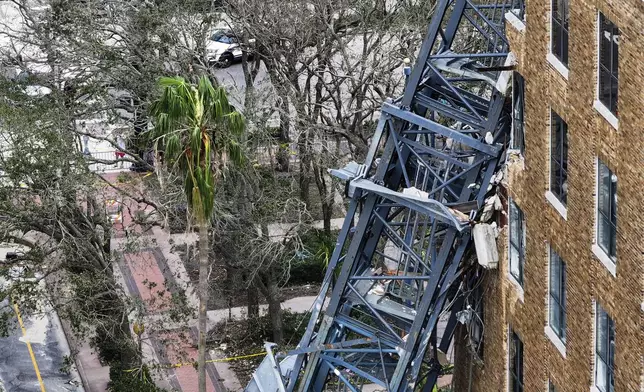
x: 221, y: 37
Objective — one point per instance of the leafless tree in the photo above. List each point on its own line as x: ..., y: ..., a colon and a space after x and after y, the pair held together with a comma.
x: 332, y: 63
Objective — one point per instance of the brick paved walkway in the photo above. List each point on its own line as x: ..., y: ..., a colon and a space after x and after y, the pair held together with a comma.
x: 147, y: 277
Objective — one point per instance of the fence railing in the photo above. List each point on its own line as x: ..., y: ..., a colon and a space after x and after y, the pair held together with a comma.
x: 108, y: 163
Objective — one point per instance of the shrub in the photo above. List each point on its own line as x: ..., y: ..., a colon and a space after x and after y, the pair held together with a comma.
x: 314, y: 259
x: 128, y: 380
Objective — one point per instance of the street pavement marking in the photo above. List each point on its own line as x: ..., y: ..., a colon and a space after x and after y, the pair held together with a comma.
x: 31, y: 352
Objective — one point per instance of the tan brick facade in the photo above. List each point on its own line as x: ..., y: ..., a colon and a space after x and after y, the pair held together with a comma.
x: 589, y: 136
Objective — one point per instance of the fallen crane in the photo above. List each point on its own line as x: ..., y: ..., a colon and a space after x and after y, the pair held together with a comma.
x: 406, y: 259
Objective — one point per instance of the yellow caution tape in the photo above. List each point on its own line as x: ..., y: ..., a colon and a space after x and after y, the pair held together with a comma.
x: 177, y: 365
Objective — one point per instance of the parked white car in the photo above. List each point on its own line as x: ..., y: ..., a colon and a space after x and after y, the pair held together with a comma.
x: 223, y: 48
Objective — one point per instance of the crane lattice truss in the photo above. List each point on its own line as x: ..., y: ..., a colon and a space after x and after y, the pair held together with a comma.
x: 402, y: 261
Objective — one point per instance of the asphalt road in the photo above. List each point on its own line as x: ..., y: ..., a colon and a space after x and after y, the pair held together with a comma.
x: 232, y: 78
x: 48, y: 342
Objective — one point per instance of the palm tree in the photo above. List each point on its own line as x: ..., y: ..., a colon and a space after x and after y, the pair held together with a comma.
x: 200, y: 133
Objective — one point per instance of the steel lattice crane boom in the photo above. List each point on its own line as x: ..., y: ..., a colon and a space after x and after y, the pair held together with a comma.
x: 405, y: 259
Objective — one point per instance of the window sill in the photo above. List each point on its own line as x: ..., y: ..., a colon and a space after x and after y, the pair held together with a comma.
x: 558, y: 205
x: 517, y: 286
x: 556, y: 341
x: 605, y: 259
x: 558, y: 65
x: 606, y: 113
x: 515, y: 21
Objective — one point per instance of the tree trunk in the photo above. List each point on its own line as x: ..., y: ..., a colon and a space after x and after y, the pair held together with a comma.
x: 305, y: 162
x: 283, y: 152
x: 229, y: 284
x: 326, y: 197
x: 253, y: 302
x: 275, y: 308
x: 203, y: 300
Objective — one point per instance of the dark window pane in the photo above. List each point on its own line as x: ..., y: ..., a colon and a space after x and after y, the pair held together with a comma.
x: 615, y: 54
x: 607, y: 210
x: 604, y: 188
x: 559, y: 19
x: 608, y: 63
x: 517, y: 242
x: 516, y: 363
x: 613, y: 94
x: 605, y: 87
x: 551, y: 387
x: 604, y: 351
x: 518, y: 85
x: 564, y: 46
x: 605, y: 34
x: 557, y: 314
x: 603, y: 233
x: 559, y: 158
x: 556, y: 38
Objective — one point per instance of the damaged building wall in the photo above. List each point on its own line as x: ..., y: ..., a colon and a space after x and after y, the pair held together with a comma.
x: 590, y: 136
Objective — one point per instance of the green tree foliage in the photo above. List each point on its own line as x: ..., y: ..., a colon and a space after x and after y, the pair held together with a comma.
x: 198, y: 132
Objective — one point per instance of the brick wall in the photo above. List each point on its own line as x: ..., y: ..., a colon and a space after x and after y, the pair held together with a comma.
x: 589, y: 136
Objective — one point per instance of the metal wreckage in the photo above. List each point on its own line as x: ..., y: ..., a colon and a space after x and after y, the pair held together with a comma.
x: 406, y: 256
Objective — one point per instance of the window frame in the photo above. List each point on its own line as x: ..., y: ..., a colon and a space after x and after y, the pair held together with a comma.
x: 513, y: 245
x: 607, y: 218
x: 559, y: 149
x: 515, y: 365
x: 518, y: 98
x: 564, y: 32
x: 608, y: 358
x: 612, y: 106
x: 551, y: 386
x: 557, y: 295
x: 517, y: 9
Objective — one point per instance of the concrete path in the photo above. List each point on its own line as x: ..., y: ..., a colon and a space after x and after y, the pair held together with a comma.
x: 151, y: 273
x: 297, y: 305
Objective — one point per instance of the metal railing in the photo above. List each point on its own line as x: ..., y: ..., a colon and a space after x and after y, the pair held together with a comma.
x: 104, y: 161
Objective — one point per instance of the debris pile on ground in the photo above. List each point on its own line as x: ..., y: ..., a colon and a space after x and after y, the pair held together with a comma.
x: 238, y: 338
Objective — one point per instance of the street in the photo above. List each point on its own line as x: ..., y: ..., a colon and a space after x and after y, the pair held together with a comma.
x: 39, y: 334
x: 47, y: 340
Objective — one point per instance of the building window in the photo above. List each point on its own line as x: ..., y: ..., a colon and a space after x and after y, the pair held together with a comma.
x: 608, y: 64
x: 604, y: 351
x: 557, y: 296
x: 559, y: 17
x: 551, y: 386
x: 517, y: 242
x: 516, y: 363
x: 607, y: 210
x: 518, y: 85
x: 558, y: 157
x: 518, y: 9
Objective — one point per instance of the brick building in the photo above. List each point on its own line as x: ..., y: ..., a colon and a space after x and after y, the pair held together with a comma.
x: 564, y: 310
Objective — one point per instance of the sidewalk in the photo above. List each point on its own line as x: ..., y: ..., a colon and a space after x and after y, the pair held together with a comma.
x: 151, y: 274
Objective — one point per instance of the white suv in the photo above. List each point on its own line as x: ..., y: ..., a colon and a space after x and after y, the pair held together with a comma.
x: 223, y: 48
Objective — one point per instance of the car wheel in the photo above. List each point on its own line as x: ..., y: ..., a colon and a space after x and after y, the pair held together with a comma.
x: 226, y: 60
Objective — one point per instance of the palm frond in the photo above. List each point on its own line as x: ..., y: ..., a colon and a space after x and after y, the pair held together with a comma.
x: 195, y: 124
